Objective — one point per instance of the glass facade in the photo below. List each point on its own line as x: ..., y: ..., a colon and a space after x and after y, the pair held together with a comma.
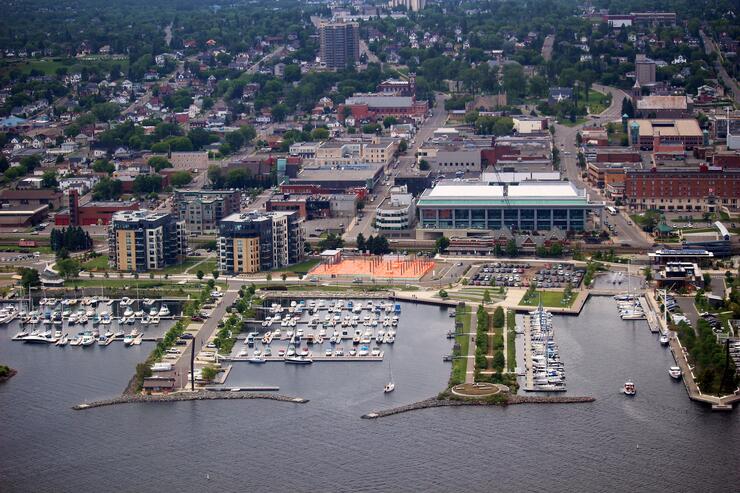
x: 525, y: 218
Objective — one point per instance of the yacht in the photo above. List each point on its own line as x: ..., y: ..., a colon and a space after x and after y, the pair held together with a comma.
x: 258, y: 360
x: 125, y: 301
x: 675, y: 372
x: 154, y: 320
x: 153, y: 311
x: 129, y: 312
x: 389, y: 387
x: 57, y: 334
x: 105, y: 318
x: 664, y: 340
x: 164, y: 311
x: 129, y: 338
x: 629, y: 388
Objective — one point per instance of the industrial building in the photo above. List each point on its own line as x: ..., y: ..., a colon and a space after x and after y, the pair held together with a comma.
x: 257, y: 241
x: 474, y: 207
x: 339, y: 179
x: 201, y: 210
x: 139, y: 241
x: 91, y: 213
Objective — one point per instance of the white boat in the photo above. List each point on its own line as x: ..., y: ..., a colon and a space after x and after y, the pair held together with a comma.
x: 664, y: 340
x: 139, y: 313
x: 129, y: 339
x: 164, y: 311
x: 63, y: 341
x: 298, y: 360
x: 129, y: 312
x: 675, y: 372
x: 257, y: 360
x: 105, y: 318
x: 125, y: 301
x: 146, y: 320
x: 20, y: 335
x: 154, y: 320
x: 153, y: 311
x: 629, y: 388
x: 390, y: 386
x: 87, y: 339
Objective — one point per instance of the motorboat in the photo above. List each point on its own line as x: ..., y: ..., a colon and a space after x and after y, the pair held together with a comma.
x: 139, y: 313
x: 130, y: 337
x: 164, y: 311
x: 154, y: 320
x: 105, y: 318
x: 146, y: 320
x: 375, y: 351
x: 389, y: 387
x: 257, y: 360
x: 675, y: 372
x: 87, y: 339
x: 125, y: 301
x: 129, y: 312
x: 664, y: 340
x: 153, y: 311
x: 629, y: 388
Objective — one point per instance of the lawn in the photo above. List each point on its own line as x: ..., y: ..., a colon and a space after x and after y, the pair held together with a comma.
x: 597, y: 102
x: 182, y: 267
x: 301, y: 268
x: 549, y: 298
x: 99, y: 263
x: 460, y: 365
x: 511, y: 340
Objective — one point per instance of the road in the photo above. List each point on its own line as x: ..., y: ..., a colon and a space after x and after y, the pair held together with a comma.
x: 709, y: 47
x: 565, y: 141
x: 182, y: 365
x: 406, y: 163
x: 371, y: 58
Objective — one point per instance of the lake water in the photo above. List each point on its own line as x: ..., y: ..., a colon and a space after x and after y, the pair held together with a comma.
x: 656, y: 441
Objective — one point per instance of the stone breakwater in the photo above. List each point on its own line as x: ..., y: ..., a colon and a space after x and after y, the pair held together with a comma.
x: 189, y: 396
x: 510, y: 400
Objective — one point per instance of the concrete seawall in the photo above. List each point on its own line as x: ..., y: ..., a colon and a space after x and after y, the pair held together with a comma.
x: 511, y: 400
x: 187, y: 396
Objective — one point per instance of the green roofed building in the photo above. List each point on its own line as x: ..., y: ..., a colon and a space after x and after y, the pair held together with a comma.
x: 457, y: 207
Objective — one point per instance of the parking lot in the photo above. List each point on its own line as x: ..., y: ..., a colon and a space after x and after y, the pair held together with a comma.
x: 512, y: 274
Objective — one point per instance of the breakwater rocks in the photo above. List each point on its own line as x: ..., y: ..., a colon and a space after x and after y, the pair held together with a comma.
x: 7, y: 376
x: 503, y: 401
x: 187, y: 396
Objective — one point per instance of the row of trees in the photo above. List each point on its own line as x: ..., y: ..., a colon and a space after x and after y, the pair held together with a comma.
x: 71, y: 239
x: 377, y: 245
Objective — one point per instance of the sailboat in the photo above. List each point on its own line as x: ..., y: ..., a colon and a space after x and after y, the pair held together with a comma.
x: 390, y: 386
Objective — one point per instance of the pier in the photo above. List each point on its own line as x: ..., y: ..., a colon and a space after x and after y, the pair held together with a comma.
x: 315, y: 359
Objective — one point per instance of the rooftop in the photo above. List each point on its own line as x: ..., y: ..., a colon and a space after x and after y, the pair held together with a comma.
x: 681, y: 128
x: 527, y: 193
x: 381, y: 101
x: 662, y: 103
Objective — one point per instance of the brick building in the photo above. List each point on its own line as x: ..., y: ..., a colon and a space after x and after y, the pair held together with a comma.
x: 698, y: 189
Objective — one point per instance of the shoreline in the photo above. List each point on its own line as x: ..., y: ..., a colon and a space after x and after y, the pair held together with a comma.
x: 510, y: 400
x: 206, y: 395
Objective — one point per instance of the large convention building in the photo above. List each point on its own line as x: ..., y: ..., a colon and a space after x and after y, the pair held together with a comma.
x: 454, y: 207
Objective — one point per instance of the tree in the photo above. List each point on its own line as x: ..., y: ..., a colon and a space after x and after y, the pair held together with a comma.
x: 331, y: 242
x: 148, y: 184
x: 68, y: 268
x: 248, y: 132
x: 158, y: 163
x: 648, y: 274
x: 284, y: 276
x: 423, y: 165
x: 486, y: 297
x: 180, y: 178
x: 389, y: 121
x: 49, y: 179
x: 511, y: 249
x: 441, y: 244
x: 268, y: 277
x: 499, y: 361
x: 208, y: 373
x: 707, y: 279
x: 319, y: 134
x: 107, y: 189
x: 498, y: 317
x: 104, y: 166
x: 235, y: 140
x: 361, y: 242
x: 199, y: 274
x: 29, y: 277
x: 568, y: 291
x: 215, y: 274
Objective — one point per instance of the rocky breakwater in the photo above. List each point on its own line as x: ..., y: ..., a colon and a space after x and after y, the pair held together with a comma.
x: 187, y: 396
x: 495, y: 400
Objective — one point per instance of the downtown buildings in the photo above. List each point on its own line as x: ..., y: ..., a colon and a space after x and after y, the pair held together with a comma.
x: 139, y: 241
x: 201, y: 210
x: 257, y: 241
x: 340, y: 44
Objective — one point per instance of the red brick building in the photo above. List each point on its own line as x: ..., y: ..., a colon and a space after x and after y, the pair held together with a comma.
x: 92, y: 213
x: 372, y: 106
x: 698, y: 189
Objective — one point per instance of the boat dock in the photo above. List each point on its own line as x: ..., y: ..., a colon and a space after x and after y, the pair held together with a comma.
x: 539, y: 343
x: 315, y: 358
x: 528, y: 373
x: 652, y: 321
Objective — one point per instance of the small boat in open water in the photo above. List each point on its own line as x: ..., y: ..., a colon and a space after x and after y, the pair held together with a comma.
x: 629, y: 388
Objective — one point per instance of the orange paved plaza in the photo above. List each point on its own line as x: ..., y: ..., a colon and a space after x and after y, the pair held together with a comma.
x: 390, y: 267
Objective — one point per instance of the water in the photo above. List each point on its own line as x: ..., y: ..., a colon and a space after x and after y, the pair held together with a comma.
x: 323, y: 445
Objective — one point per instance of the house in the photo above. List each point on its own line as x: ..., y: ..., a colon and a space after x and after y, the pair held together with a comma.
x: 558, y: 94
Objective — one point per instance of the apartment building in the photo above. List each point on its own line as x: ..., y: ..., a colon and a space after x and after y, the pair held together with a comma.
x: 201, y: 210
x: 143, y: 240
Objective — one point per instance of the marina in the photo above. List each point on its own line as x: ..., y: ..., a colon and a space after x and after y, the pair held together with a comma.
x: 598, y: 357
x: 305, y: 331
x: 544, y: 372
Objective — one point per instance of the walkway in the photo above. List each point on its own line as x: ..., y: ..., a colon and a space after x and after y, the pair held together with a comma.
x: 470, y: 371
